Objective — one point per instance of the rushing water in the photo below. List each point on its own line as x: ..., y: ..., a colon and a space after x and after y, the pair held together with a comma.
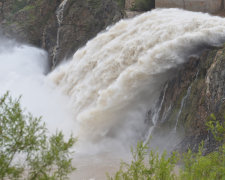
x: 103, y: 93
x: 116, y: 77
x: 23, y: 72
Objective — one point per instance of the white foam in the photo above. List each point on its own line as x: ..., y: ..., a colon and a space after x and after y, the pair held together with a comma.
x: 115, y: 78
x: 22, y: 72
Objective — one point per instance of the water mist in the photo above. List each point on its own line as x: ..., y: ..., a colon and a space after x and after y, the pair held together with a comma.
x: 117, y: 77
x: 104, y: 92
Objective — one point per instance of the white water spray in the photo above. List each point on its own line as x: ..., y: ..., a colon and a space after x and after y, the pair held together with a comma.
x: 114, y: 80
x: 22, y: 73
x: 155, y: 116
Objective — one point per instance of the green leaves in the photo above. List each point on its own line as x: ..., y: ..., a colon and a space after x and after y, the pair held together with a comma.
x: 192, y: 166
x: 53, y: 160
x: 26, y: 150
x: 153, y: 167
x: 217, y: 128
x: 199, y: 167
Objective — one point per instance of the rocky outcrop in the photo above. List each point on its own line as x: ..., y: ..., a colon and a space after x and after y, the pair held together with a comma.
x: 26, y: 19
x: 82, y: 20
x: 35, y: 22
x: 129, y: 4
x: 196, y: 91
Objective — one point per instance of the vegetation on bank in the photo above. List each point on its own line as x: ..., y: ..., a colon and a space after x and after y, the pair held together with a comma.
x: 147, y: 165
x: 26, y: 149
x: 28, y: 152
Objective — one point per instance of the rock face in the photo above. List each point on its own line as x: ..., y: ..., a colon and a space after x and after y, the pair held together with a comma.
x: 82, y: 20
x: 197, y: 90
x: 26, y: 19
x: 35, y: 22
x: 129, y: 4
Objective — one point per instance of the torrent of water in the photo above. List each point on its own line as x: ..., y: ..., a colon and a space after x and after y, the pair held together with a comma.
x: 59, y: 16
x: 116, y: 78
x: 104, y: 93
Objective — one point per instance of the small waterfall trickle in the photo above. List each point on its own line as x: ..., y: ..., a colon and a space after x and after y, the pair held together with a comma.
x: 59, y: 16
x: 155, y: 116
x: 43, y: 39
x: 183, y: 102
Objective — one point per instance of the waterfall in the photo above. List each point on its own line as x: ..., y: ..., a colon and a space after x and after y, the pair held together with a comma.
x: 104, y: 93
x: 183, y: 102
x: 155, y: 116
x: 115, y: 79
x: 59, y: 16
x: 23, y: 73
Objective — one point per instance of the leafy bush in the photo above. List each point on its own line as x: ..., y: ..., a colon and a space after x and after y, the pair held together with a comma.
x: 143, y: 5
x: 199, y: 167
x: 194, y: 166
x: 25, y: 149
x: 154, y: 167
x: 217, y: 128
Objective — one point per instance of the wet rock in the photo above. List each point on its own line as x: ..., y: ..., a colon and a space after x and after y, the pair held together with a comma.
x: 35, y: 22
x: 82, y: 21
x: 203, y: 77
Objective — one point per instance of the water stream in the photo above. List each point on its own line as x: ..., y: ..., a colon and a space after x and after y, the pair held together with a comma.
x: 59, y: 16
x: 103, y: 94
x: 183, y: 101
x: 155, y: 116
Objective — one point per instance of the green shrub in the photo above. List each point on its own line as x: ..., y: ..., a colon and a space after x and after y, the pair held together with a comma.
x: 217, y: 128
x: 199, y: 167
x: 154, y: 167
x: 193, y: 166
x: 26, y: 152
x: 143, y: 5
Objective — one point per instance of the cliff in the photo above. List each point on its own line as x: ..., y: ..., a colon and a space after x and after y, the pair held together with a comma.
x: 35, y: 22
x: 188, y: 99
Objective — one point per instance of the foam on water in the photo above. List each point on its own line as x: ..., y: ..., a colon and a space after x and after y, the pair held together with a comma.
x: 116, y: 78
x: 103, y: 93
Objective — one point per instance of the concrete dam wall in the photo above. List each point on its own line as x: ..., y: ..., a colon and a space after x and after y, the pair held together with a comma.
x: 193, y: 5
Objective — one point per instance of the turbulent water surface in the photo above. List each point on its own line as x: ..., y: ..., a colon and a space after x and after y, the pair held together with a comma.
x: 103, y: 93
